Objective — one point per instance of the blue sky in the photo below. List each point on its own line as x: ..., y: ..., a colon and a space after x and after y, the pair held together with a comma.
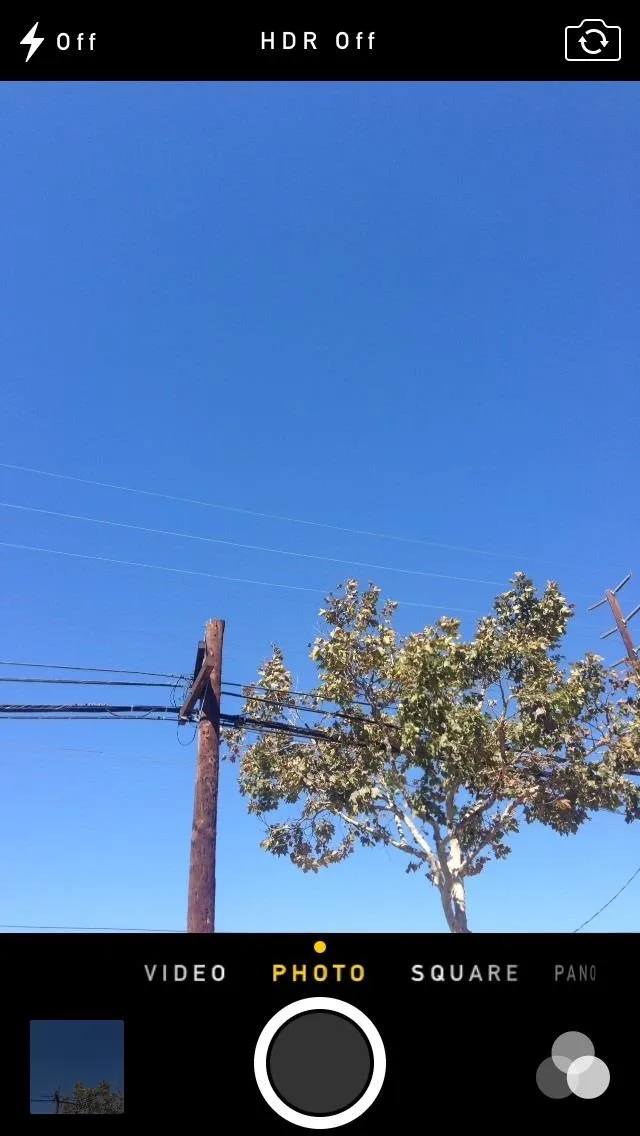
x: 402, y: 308
x: 66, y: 1052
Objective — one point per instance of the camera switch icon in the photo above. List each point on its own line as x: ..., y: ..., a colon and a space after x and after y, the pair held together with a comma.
x: 593, y: 40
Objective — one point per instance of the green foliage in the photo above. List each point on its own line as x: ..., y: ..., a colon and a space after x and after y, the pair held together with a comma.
x: 85, y: 1101
x: 438, y: 747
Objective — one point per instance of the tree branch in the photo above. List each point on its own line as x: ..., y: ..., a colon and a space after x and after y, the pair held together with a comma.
x: 402, y: 846
x: 502, y: 741
x: 402, y: 815
x: 425, y: 850
x: 422, y: 843
x: 506, y: 699
x: 450, y: 801
x: 476, y: 810
x: 497, y: 822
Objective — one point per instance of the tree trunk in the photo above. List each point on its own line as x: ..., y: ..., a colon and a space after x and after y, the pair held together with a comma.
x: 452, y: 893
x: 459, y: 905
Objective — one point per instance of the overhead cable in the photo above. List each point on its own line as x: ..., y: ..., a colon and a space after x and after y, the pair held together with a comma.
x: 195, y: 572
x: 276, y: 516
x: 253, y: 547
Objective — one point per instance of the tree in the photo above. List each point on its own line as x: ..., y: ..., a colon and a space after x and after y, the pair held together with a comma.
x: 437, y: 747
x: 85, y: 1101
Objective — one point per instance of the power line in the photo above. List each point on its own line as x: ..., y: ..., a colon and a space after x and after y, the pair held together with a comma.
x: 174, y: 931
x: 252, y: 547
x: 172, y: 685
x: 242, y: 686
x: 260, y: 725
x: 85, y: 682
x: 121, y: 930
x: 206, y: 575
x: 309, y: 709
x: 608, y: 903
x: 89, y: 670
x: 274, y: 551
x: 89, y: 712
x: 27, y: 713
x: 236, y: 579
x: 79, y: 708
x: 276, y: 516
x: 99, y: 717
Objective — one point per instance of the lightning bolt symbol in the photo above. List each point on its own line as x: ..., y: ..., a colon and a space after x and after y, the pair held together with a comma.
x: 32, y: 41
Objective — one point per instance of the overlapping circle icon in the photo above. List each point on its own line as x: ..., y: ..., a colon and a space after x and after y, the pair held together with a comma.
x: 573, y: 1068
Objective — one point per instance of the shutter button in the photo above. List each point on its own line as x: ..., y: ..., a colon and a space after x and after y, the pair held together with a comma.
x: 319, y: 1063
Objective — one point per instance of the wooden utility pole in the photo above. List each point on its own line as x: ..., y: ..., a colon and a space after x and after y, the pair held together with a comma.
x: 202, y: 865
x: 56, y: 1101
x: 622, y: 622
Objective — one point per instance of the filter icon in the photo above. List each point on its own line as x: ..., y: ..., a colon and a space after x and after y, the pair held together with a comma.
x: 573, y: 1069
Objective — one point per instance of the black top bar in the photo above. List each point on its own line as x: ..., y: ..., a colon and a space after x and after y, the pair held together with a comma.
x: 439, y: 44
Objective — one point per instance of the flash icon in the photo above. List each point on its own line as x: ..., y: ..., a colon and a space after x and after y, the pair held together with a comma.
x: 32, y: 41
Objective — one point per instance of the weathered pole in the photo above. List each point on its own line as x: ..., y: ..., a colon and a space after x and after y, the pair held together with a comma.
x: 202, y: 864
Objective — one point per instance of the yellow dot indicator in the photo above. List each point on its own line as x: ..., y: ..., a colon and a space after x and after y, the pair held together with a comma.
x: 319, y: 947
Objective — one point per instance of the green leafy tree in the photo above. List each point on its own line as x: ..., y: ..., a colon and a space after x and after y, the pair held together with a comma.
x: 437, y: 747
x: 85, y: 1100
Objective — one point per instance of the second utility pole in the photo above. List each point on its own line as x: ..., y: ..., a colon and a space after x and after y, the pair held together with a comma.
x: 622, y: 622
x: 202, y: 864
